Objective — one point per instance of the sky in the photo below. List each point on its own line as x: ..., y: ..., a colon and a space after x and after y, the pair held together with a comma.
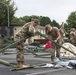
x: 57, y: 10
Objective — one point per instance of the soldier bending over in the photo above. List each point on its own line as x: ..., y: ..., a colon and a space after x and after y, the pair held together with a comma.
x: 26, y: 30
x: 54, y: 34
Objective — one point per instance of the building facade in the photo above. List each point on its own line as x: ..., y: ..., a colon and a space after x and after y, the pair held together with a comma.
x: 41, y: 29
x: 10, y: 32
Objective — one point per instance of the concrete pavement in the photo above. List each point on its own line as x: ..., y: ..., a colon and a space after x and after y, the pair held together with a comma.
x: 4, y: 70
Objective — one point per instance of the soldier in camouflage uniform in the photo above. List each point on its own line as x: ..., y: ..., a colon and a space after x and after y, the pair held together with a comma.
x: 62, y: 32
x: 54, y: 34
x: 26, y: 30
x: 1, y: 40
x: 73, y: 36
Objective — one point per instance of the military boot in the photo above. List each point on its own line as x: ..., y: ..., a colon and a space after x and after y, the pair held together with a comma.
x: 25, y: 64
x: 52, y: 60
x: 21, y: 64
x: 18, y: 64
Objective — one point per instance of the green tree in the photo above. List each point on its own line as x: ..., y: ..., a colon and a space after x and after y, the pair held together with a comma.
x: 71, y: 21
x: 44, y: 21
x: 24, y: 19
x: 4, y: 4
x: 16, y: 20
x: 54, y: 23
x: 66, y: 27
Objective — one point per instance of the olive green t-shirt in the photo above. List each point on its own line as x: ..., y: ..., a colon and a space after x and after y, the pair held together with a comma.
x: 53, y: 33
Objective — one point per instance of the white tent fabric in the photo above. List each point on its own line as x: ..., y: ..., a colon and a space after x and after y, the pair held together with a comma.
x: 59, y: 64
x: 66, y: 53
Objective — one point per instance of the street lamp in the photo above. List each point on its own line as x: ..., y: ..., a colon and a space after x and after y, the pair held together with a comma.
x: 7, y: 11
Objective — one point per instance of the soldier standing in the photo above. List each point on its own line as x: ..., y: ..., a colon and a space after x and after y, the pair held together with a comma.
x: 1, y: 40
x: 73, y: 36
x: 62, y: 32
x: 27, y: 29
x: 54, y: 34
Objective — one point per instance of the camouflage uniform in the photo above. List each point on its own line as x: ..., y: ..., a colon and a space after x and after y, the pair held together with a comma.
x: 1, y: 41
x: 73, y: 37
x: 26, y: 30
x: 62, y: 32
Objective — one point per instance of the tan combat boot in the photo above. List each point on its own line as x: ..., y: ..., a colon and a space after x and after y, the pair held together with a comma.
x: 18, y: 64
x: 21, y: 65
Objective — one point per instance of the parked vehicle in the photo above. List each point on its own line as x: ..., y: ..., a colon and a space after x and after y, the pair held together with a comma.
x: 32, y: 48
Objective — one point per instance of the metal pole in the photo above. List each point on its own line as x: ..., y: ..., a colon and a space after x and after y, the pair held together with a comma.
x: 8, y: 14
x: 55, y: 43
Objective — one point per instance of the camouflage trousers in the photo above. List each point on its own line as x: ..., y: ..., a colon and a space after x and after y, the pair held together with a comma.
x: 73, y: 41
x: 20, y: 51
x: 20, y: 48
x: 55, y: 49
x: 1, y: 43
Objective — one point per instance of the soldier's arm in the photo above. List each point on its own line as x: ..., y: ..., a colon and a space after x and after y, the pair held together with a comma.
x: 31, y: 30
